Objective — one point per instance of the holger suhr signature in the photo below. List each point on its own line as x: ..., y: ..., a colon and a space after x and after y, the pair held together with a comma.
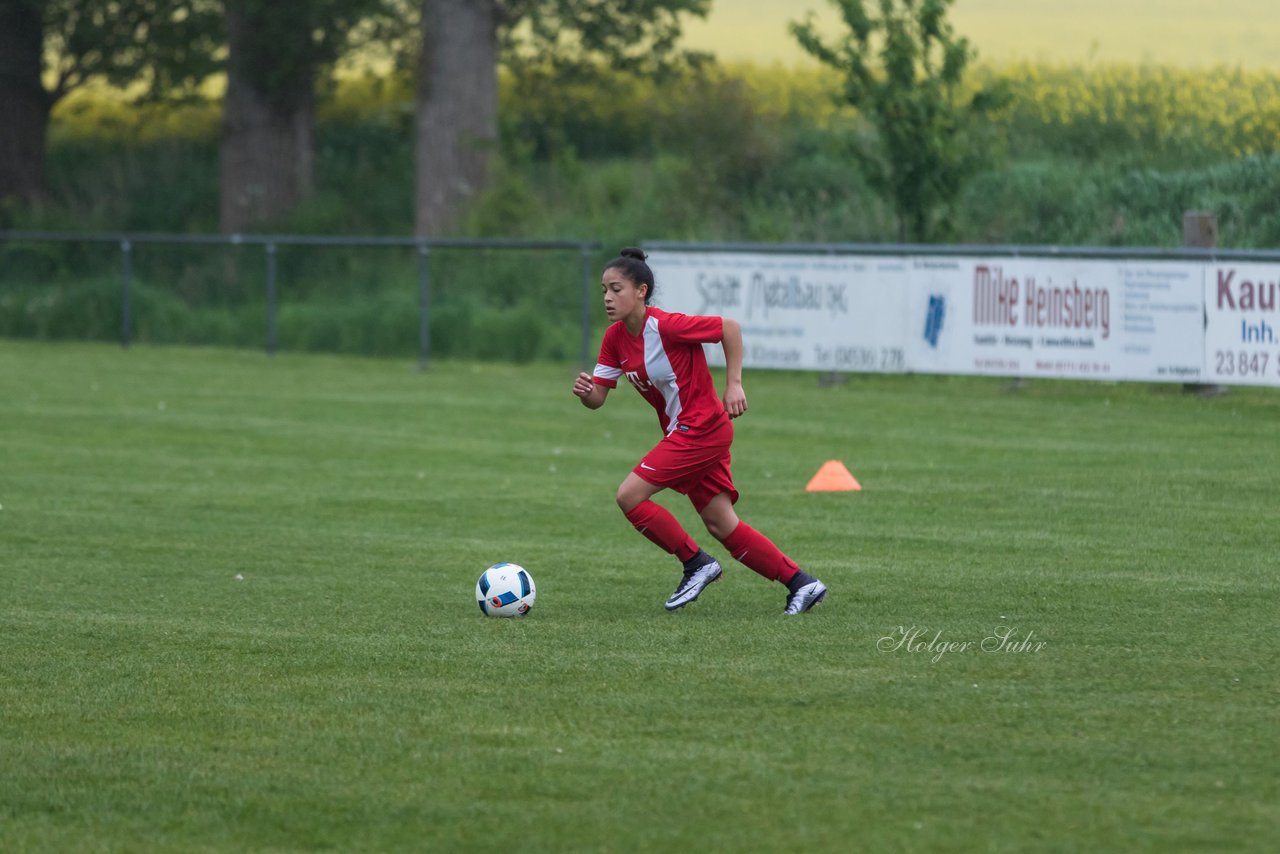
x: 919, y: 639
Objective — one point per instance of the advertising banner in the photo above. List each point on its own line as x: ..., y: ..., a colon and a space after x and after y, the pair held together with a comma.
x: 804, y: 312
x: 1015, y: 316
x: 1241, y: 323
x: 1163, y: 332
x: 1066, y: 318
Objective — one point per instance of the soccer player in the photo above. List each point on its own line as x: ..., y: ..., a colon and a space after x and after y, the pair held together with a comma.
x: 660, y: 353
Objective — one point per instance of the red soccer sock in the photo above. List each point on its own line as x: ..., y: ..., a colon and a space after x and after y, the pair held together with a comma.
x: 657, y: 523
x: 756, y: 551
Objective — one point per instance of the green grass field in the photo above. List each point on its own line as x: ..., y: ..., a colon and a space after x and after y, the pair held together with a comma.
x: 236, y: 613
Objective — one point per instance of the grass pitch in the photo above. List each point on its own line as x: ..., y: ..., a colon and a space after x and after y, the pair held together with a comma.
x: 236, y: 613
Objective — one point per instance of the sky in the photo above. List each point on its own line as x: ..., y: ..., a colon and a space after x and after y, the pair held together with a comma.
x: 1189, y: 33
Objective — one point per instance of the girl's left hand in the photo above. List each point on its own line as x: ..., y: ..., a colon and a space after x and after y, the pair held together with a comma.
x: 735, y: 400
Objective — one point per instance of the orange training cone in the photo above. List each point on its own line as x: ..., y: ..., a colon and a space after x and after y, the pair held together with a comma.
x: 833, y: 477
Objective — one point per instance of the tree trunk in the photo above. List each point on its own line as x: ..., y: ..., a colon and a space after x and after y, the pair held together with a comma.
x: 268, y: 137
x: 457, y: 114
x: 24, y: 103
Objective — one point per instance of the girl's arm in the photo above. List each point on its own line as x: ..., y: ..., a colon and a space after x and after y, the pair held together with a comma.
x: 591, y: 393
x: 735, y: 399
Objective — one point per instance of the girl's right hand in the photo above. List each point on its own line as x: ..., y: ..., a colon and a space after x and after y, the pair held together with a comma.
x: 583, y: 385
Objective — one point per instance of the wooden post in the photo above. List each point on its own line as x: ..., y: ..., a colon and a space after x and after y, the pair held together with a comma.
x: 1200, y: 231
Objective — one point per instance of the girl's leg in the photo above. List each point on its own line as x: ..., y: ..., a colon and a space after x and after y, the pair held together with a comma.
x: 758, y: 552
x: 652, y: 519
x: 746, y: 544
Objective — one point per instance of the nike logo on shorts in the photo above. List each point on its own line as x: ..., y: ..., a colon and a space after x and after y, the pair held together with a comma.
x: 650, y: 468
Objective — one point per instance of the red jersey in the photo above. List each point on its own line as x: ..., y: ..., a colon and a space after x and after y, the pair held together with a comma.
x: 666, y: 364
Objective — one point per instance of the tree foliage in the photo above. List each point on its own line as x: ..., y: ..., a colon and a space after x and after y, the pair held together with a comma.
x: 292, y: 45
x: 903, y: 69
x: 640, y: 36
x: 635, y: 35
x: 49, y: 48
x: 562, y: 53
x: 166, y: 44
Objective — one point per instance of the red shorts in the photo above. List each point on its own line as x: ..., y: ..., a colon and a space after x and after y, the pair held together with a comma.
x: 693, y: 465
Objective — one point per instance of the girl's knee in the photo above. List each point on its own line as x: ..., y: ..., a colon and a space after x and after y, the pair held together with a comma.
x: 627, y: 499
x: 719, y: 527
x: 719, y: 517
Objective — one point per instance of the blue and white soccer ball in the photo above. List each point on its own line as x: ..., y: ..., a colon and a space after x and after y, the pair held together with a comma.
x: 505, y: 590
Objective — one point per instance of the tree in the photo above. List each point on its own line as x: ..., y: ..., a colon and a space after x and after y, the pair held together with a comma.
x: 276, y: 54
x: 463, y: 42
x: 457, y: 111
x: 272, y: 53
x: 903, y: 70
x: 24, y: 102
x: 49, y: 48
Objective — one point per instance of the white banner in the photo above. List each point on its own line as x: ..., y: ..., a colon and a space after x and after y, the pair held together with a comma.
x: 808, y: 312
x: 1163, y: 320
x: 1156, y: 321
x: 1241, y: 322
x: 1061, y: 318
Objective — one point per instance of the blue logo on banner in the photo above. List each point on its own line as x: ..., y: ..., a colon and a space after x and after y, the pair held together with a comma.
x: 933, y: 319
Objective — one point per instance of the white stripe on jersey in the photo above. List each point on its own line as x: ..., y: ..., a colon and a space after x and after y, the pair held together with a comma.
x: 605, y: 372
x: 661, y: 375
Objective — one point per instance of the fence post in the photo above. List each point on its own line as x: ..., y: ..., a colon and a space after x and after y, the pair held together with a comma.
x: 126, y: 299
x: 586, y: 307
x: 424, y: 305
x: 1200, y: 230
x: 271, y: 299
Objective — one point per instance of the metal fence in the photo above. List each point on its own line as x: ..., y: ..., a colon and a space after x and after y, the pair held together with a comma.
x: 587, y: 252
x: 271, y: 244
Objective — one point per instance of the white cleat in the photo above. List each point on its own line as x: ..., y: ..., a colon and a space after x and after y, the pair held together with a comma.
x: 692, y: 583
x: 806, y: 597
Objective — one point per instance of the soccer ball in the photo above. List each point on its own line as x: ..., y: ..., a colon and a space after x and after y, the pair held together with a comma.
x: 505, y: 590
